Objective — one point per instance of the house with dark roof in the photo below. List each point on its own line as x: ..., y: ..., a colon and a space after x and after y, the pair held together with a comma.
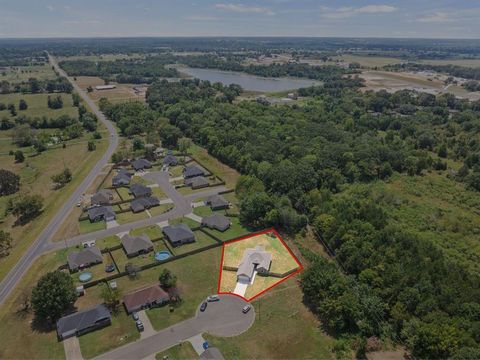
x: 217, y: 202
x: 217, y: 222
x: 179, y: 234
x: 254, y: 260
x: 146, y: 298
x: 85, y: 258
x: 102, y: 197
x: 170, y: 160
x: 83, y: 322
x: 141, y: 164
x: 139, y: 190
x: 136, y: 245
x: 140, y: 204
x: 99, y: 213
x: 197, y: 182
x: 122, y: 178
x: 192, y: 171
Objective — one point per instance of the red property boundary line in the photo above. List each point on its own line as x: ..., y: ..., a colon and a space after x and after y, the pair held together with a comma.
x: 263, y: 232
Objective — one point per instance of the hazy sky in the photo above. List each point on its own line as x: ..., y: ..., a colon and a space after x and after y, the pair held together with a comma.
x: 383, y: 18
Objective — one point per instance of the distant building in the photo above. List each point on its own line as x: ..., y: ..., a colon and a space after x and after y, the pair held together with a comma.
x: 179, y: 234
x: 192, y: 171
x: 141, y: 164
x: 170, y: 160
x: 145, y: 298
x: 140, y: 204
x: 254, y: 260
x: 122, y: 178
x: 83, y: 322
x: 197, y: 182
x: 81, y: 259
x: 217, y: 222
x: 136, y: 245
x: 139, y: 190
x: 105, y: 87
x: 217, y: 202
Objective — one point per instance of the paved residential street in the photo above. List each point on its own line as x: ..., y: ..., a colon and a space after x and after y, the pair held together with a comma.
x: 222, y: 318
x: 37, y: 247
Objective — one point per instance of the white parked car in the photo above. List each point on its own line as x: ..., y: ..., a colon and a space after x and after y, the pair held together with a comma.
x: 213, y: 298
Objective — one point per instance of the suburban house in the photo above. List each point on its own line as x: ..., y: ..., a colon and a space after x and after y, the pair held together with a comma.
x: 85, y: 258
x: 179, y: 234
x: 170, y: 160
x: 141, y: 164
x: 217, y: 202
x: 217, y: 222
x: 122, y: 178
x: 139, y: 190
x: 197, y: 182
x: 192, y: 171
x: 99, y: 213
x: 143, y: 203
x: 146, y: 298
x: 254, y: 260
x: 136, y: 245
x: 102, y: 197
x: 83, y: 322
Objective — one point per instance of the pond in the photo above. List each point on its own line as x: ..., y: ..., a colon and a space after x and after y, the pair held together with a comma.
x: 247, y: 81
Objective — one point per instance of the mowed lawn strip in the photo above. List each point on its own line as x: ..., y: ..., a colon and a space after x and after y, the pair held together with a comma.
x: 181, y: 351
x: 38, y: 105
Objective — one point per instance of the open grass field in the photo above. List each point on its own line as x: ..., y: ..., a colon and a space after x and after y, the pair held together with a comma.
x: 153, y: 232
x: 280, y: 317
x: 182, y: 351
x: 85, y: 226
x: 129, y: 216
x: 158, y: 210
x: 102, y: 57
x: 376, y: 80
x: 38, y: 105
x: 368, y: 61
x: 122, y: 92
x: 458, y: 62
x: 235, y: 230
x: 282, y: 261
x: 18, y: 74
x: 35, y: 174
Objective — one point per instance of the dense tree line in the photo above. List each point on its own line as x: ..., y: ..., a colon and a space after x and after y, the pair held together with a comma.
x: 36, y: 86
x: 453, y: 70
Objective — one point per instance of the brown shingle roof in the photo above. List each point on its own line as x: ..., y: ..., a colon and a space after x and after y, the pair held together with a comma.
x: 145, y: 297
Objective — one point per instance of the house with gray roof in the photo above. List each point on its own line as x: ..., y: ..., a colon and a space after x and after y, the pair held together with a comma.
x: 99, y: 213
x: 140, y: 204
x: 85, y: 258
x: 83, y: 322
x: 122, y: 178
x: 170, y: 160
x: 179, y: 234
x: 217, y: 202
x: 141, y: 164
x: 102, y: 197
x: 192, y: 171
x: 217, y: 222
x: 136, y: 245
x: 254, y: 260
x: 197, y: 182
x: 139, y: 190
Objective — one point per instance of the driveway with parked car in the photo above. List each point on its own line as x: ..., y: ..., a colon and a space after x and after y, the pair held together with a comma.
x: 224, y: 317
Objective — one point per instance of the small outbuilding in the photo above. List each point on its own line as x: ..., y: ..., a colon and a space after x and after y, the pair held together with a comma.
x: 83, y: 322
x: 81, y: 259
x: 179, y: 234
x: 136, y: 245
x: 146, y: 298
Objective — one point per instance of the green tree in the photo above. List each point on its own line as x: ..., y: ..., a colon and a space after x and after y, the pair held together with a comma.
x: 138, y: 144
x: 9, y: 182
x: 19, y: 157
x: 169, y: 135
x: 111, y: 297
x: 11, y: 108
x: 184, y: 144
x: 53, y: 295
x: 62, y: 178
x: 91, y: 146
x: 22, y: 105
x: 26, y: 207
x: 5, y: 243
x: 167, y: 279
x: 248, y: 185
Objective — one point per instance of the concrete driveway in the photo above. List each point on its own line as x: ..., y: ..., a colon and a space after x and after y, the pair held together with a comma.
x: 72, y: 349
x: 222, y: 318
x: 148, y: 328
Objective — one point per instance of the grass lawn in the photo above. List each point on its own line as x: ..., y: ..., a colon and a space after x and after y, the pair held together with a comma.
x: 35, y: 174
x: 109, y: 241
x: 121, y: 258
x: 282, y: 261
x: 121, y: 332
x: 284, y: 328
x: 192, y: 224
x: 181, y: 351
x: 153, y: 232
x: 123, y: 192
x: 98, y: 271
x: 37, y: 105
x: 186, y: 190
x: 158, y: 210
x: 197, y: 277
x: 205, y: 211
x: 202, y: 240
x: 158, y: 192
x: 18, y: 74
x: 86, y: 226
x: 129, y: 216
x: 176, y: 171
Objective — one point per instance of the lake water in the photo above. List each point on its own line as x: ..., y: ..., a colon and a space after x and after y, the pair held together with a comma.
x: 249, y: 82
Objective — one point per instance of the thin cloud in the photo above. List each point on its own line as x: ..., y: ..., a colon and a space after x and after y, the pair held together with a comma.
x: 437, y: 17
x: 201, y: 18
x: 240, y: 8
x: 347, y: 11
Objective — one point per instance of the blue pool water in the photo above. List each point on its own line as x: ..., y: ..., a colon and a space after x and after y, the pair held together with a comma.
x: 162, y: 255
x: 85, y: 276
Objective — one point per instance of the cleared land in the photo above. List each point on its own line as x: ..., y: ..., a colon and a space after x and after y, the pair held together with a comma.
x: 122, y: 92
x: 178, y: 352
x: 18, y: 74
